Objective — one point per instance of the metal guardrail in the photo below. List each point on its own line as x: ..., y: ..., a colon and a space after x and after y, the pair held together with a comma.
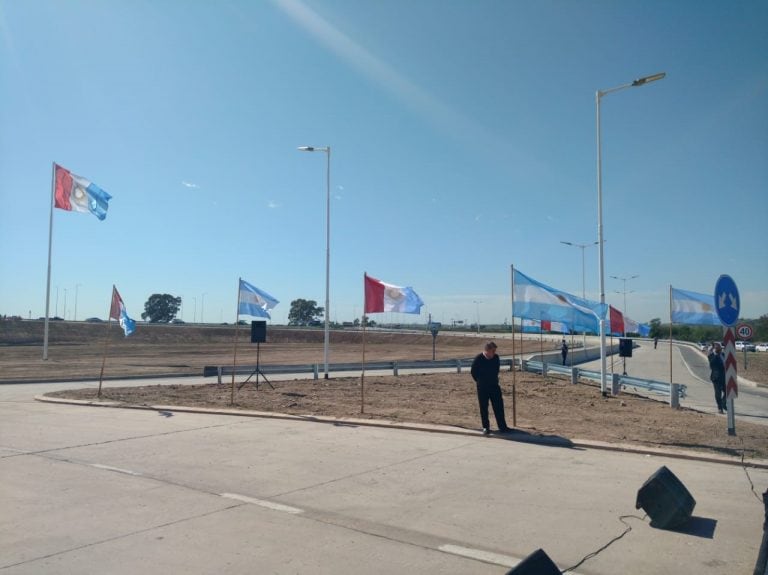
x: 315, y: 369
x: 621, y: 381
x: 618, y: 381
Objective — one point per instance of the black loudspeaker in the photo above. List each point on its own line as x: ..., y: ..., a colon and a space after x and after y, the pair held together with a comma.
x: 258, y: 331
x: 537, y: 563
x: 625, y: 347
x: 665, y: 499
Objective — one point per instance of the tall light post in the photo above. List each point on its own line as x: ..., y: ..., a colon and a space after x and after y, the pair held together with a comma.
x: 77, y: 288
x: 202, y: 307
x: 477, y: 309
x: 583, y: 274
x: 624, y: 291
x: 65, y: 304
x: 194, y: 310
x: 327, y: 150
x: 57, y: 303
x: 599, y: 94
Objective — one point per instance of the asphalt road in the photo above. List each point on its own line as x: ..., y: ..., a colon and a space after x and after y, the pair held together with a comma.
x: 689, y: 366
x: 122, y: 491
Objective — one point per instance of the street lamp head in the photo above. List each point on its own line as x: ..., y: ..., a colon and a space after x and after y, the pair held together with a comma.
x: 649, y: 79
x: 314, y: 149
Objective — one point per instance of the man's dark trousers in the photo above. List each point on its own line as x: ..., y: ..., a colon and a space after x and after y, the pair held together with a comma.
x: 492, y: 392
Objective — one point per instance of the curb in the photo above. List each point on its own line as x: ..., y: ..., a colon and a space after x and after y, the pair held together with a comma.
x: 517, y: 436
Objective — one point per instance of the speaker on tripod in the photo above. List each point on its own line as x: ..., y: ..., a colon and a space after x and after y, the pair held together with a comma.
x: 258, y: 331
x: 258, y: 336
x: 625, y: 347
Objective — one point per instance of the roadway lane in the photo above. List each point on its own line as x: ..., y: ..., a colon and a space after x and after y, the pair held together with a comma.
x: 689, y: 367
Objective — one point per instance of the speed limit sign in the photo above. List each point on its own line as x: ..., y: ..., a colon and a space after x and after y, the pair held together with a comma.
x: 744, y: 331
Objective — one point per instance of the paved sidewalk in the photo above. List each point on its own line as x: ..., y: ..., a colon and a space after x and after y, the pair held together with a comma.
x: 89, y: 490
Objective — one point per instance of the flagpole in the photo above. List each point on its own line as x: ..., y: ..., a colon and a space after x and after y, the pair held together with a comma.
x: 514, y: 375
x: 106, y: 341
x: 48, y: 281
x: 670, y: 338
x: 234, y: 359
x: 362, y: 373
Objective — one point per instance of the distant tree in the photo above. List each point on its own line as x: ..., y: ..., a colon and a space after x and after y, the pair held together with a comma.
x: 367, y: 321
x: 760, y: 326
x: 656, y: 328
x: 304, y: 312
x: 161, y: 308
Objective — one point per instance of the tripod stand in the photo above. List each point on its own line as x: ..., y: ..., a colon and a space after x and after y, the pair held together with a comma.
x: 257, y: 372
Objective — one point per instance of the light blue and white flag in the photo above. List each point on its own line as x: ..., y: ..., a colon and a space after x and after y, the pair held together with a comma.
x: 691, y: 308
x: 254, y: 302
x: 535, y: 300
x: 117, y: 311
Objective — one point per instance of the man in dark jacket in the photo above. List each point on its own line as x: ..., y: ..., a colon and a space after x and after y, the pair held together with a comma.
x: 485, y: 372
x: 717, y: 374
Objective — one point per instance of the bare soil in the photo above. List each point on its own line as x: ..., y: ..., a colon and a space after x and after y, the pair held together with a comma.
x: 544, y: 406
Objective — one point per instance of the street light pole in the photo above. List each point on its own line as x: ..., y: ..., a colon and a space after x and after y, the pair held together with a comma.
x: 202, y: 307
x: 477, y: 306
x: 624, y: 291
x: 327, y: 150
x: 583, y: 274
x: 599, y: 94
x: 77, y: 288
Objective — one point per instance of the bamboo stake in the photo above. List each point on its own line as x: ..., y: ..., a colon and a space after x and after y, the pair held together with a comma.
x: 234, y: 359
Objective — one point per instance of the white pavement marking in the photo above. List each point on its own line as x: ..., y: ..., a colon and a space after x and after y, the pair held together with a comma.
x: 115, y: 469
x: 486, y: 556
x: 263, y: 503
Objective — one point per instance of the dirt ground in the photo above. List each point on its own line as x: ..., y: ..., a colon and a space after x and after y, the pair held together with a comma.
x: 549, y: 406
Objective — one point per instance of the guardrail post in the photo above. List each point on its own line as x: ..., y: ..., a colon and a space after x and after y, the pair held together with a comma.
x: 674, y: 395
x: 543, y: 369
x: 316, y: 371
x: 523, y: 365
x: 574, y: 375
x: 395, y: 369
x: 219, y: 373
x: 458, y: 366
x: 615, y: 384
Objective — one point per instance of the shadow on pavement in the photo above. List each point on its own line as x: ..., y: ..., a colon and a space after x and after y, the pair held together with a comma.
x: 698, y: 527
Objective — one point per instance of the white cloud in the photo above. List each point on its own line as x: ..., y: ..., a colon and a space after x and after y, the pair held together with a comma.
x: 189, y: 184
x: 272, y: 204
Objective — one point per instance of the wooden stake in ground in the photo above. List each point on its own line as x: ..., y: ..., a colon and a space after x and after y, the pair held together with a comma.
x: 234, y: 359
x: 117, y: 312
x: 362, y: 372
x: 512, y: 327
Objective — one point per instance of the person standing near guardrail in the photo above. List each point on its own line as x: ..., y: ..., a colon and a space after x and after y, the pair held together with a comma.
x: 564, y: 350
x: 717, y: 374
x: 485, y: 372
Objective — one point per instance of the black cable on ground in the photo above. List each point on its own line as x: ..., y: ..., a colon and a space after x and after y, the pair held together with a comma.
x: 744, y: 467
x: 611, y: 542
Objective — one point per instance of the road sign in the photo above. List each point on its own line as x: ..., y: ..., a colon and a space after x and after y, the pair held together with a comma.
x: 727, y: 300
x: 744, y: 331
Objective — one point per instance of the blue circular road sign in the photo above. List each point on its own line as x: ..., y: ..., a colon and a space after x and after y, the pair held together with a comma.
x: 727, y: 300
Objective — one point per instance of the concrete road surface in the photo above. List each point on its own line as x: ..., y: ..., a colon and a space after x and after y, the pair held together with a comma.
x: 690, y: 367
x: 120, y: 491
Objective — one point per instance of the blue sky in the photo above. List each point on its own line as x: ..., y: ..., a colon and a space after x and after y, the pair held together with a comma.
x: 462, y: 135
